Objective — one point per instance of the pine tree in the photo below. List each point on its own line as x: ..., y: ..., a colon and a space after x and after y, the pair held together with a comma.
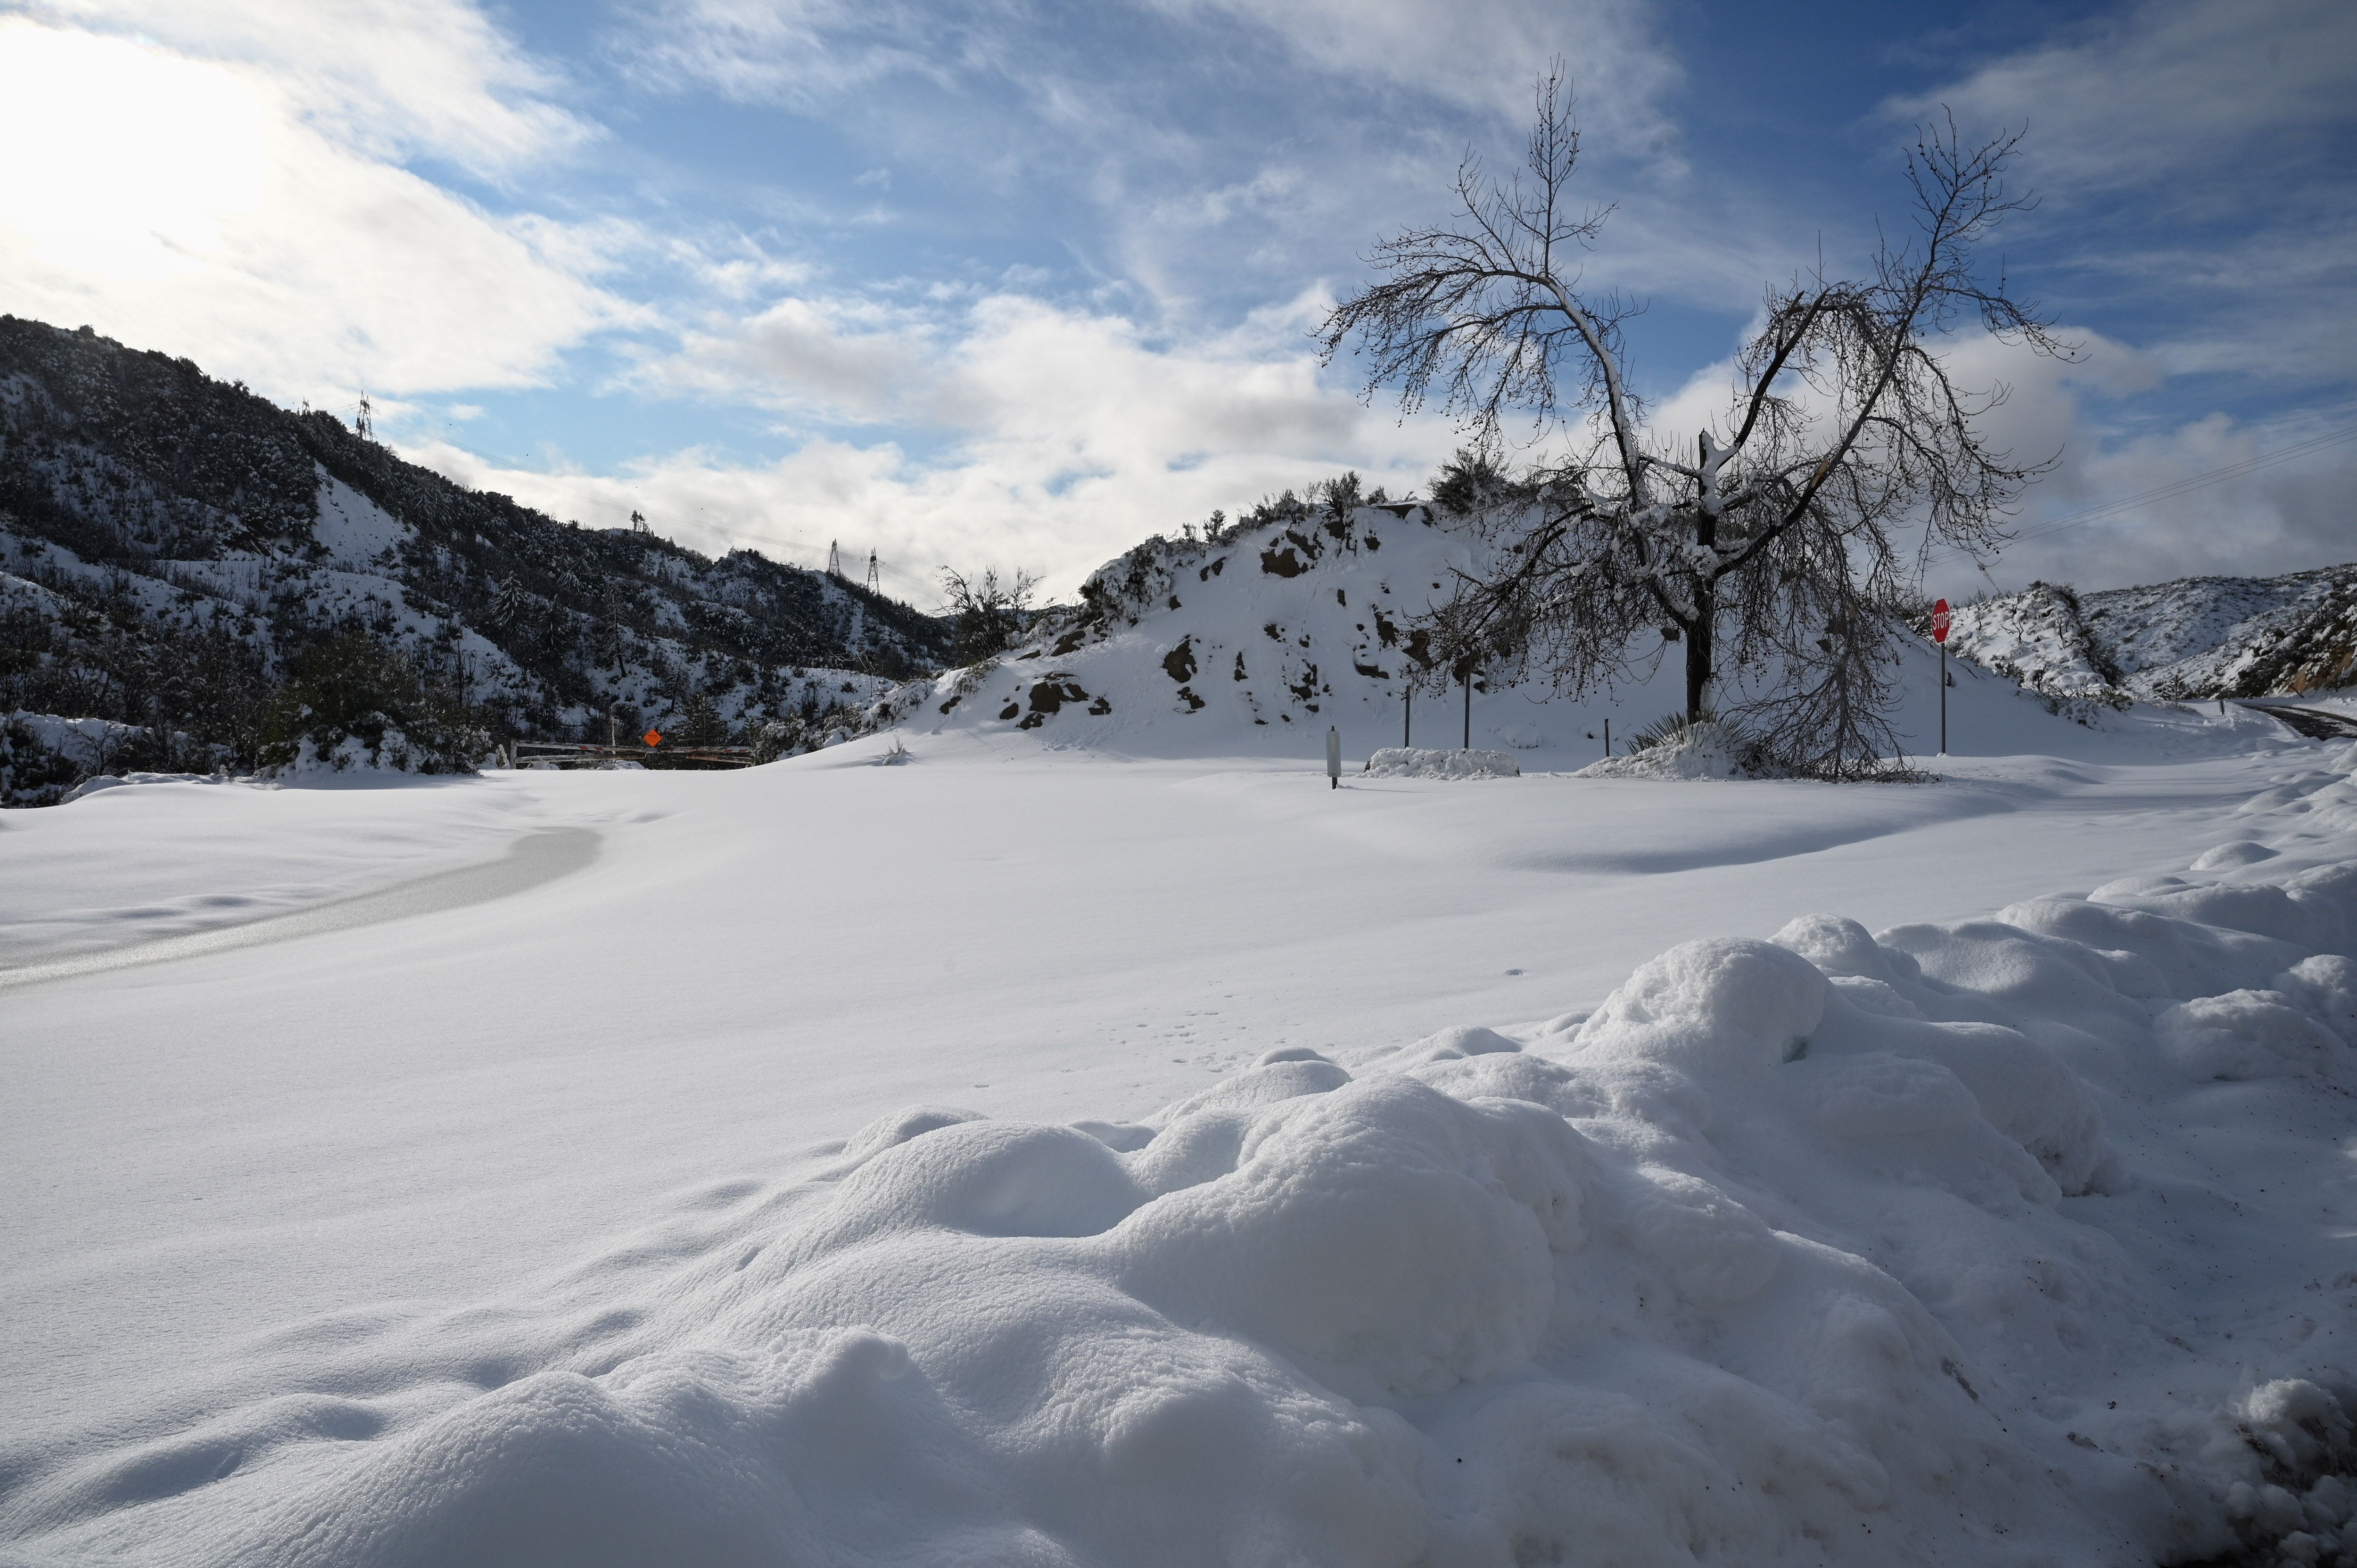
x: 701, y: 725
x: 507, y: 605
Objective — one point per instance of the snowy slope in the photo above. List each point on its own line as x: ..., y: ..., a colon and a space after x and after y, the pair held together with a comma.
x: 2198, y: 637
x: 1188, y: 647
x: 1254, y: 645
x: 167, y: 538
x: 1420, y: 1172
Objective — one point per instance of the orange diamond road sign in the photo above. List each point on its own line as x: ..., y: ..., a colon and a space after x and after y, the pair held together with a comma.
x: 654, y: 738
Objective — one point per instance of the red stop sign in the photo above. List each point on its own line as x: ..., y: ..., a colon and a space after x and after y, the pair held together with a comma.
x: 1939, y: 622
x: 654, y: 738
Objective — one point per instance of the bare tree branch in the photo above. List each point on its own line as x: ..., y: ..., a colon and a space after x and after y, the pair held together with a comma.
x: 1848, y: 431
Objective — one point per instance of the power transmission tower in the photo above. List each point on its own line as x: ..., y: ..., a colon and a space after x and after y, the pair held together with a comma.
x: 638, y: 523
x: 833, y: 560
x: 365, y: 421
x: 874, y: 584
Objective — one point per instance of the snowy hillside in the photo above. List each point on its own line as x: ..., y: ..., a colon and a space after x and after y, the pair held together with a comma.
x: 1162, y: 1162
x: 1252, y: 645
x: 168, y: 541
x: 2198, y: 637
x: 1188, y: 646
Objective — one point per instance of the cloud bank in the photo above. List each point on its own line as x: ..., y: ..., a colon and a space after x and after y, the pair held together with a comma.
x: 976, y: 281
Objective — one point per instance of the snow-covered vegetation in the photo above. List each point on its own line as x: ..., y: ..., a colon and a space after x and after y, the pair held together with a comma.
x: 1431, y: 762
x: 2197, y: 637
x: 170, y: 545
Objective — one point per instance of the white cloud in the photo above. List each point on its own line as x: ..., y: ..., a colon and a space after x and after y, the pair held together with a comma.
x: 841, y: 360
x: 798, y: 52
x: 2191, y: 155
x: 1206, y: 154
x: 1075, y: 438
x: 2283, y: 519
x: 2167, y: 88
x: 210, y: 209
x: 1478, y: 55
x: 2192, y: 158
x: 390, y: 79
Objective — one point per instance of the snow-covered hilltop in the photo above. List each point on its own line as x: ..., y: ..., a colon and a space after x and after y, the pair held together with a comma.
x: 1251, y: 642
x: 2195, y: 638
x: 1190, y: 645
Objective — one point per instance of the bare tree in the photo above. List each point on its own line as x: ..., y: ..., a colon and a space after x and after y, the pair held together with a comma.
x: 1771, y: 540
x: 991, y: 612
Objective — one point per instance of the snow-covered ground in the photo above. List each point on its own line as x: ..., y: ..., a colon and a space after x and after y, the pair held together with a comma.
x: 1605, y: 1193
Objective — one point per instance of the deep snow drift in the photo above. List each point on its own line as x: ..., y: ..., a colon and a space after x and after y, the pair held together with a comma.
x: 2013, y: 1238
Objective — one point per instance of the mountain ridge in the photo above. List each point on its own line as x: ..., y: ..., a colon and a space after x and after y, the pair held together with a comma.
x: 169, y: 541
x: 2192, y: 639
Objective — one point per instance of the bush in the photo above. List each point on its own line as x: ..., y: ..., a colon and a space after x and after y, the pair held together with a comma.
x: 990, y: 613
x: 32, y: 773
x: 1674, y: 730
x: 351, y: 702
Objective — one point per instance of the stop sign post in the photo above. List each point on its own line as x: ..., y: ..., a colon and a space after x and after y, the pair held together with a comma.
x: 1940, y: 621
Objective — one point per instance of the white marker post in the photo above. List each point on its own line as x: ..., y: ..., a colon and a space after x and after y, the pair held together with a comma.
x: 1940, y: 621
x: 1333, y: 757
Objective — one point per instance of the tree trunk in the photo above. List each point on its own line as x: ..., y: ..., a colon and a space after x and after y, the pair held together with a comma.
x: 1698, y: 650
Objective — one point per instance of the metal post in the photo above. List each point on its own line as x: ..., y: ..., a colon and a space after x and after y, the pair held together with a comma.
x: 1608, y: 737
x: 1943, y: 699
x: 1468, y: 710
x: 1407, y: 715
x: 1333, y: 757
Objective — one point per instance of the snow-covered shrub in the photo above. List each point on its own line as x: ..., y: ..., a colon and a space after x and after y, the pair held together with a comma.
x: 350, y: 703
x: 1126, y: 587
x: 809, y: 731
x: 1424, y: 762
x: 33, y: 770
x: 773, y: 740
x: 1672, y: 747
x: 46, y: 760
x: 1671, y: 730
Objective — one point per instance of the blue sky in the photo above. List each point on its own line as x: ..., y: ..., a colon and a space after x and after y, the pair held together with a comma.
x: 999, y: 283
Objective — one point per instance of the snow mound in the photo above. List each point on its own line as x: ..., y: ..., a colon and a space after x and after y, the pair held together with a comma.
x: 1764, y: 1259
x: 1702, y: 751
x: 91, y: 786
x: 1423, y: 762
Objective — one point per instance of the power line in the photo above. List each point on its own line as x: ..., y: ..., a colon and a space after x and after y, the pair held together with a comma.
x: 2175, y: 488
